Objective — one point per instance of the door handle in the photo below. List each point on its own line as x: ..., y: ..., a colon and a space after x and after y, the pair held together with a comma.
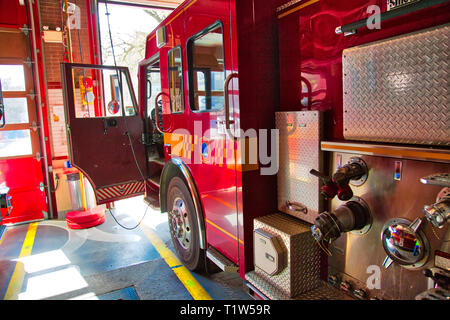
x: 157, y: 113
x: 228, y: 121
x: 2, y: 117
x: 295, y: 206
x: 108, y: 123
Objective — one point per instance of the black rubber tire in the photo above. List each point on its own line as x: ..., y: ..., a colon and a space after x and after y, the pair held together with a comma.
x: 193, y: 257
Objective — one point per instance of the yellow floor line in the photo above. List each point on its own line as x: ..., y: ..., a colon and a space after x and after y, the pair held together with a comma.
x: 15, y: 284
x: 4, y: 236
x: 187, y: 279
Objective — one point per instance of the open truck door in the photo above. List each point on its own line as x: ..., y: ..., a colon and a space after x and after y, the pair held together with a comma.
x: 104, y: 130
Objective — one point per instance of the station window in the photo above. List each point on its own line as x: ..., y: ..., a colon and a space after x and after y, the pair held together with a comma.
x: 206, y: 70
x: 176, y: 81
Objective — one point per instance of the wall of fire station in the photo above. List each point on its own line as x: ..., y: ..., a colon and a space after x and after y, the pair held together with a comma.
x: 55, y: 52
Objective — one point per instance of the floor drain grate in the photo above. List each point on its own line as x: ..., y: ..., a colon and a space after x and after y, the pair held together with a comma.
x: 128, y: 293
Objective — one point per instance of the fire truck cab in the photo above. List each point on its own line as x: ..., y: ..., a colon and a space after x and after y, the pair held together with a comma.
x: 302, y: 144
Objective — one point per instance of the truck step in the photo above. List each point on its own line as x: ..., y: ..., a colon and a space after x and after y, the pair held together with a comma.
x: 152, y: 201
x: 155, y: 167
x: 158, y: 161
x: 155, y: 180
x: 220, y: 260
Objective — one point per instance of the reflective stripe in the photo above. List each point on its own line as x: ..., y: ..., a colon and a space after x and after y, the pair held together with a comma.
x: 187, y: 279
x: 225, y: 232
x: 15, y: 284
x: 301, y: 6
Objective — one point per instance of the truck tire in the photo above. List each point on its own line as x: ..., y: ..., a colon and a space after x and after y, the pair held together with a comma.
x: 183, y: 225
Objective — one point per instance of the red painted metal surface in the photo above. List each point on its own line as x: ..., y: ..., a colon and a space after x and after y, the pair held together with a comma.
x: 229, y: 199
x: 273, y: 52
x: 45, y: 140
x: 12, y: 14
x: 214, y: 178
x: 101, y: 152
x: 309, y: 49
x: 24, y: 175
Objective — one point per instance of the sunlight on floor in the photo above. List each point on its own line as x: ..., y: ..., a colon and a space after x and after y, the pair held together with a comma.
x: 44, y: 261
x: 135, y: 208
x: 53, y: 283
x: 87, y: 296
x: 51, y: 273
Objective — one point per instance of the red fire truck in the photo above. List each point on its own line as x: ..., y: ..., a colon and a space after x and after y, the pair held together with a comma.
x: 289, y: 141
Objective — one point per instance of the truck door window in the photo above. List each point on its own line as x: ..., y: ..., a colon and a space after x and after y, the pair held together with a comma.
x: 102, y: 92
x: 153, y: 82
x: 206, y: 70
x: 176, y: 81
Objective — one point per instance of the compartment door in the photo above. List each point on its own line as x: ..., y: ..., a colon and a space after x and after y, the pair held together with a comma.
x: 104, y: 130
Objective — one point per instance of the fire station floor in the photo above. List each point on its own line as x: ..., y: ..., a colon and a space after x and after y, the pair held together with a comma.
x: 46, y: 260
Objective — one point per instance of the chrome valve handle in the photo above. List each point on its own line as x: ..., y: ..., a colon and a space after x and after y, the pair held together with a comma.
x: 438, y: 213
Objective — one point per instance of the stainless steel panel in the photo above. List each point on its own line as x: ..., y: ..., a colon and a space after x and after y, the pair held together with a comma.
x: 391, y: 151
x: 397, y: 90
x: 356, y: 257
x: 302, y: 271
x: 299, y: 152
x: 269, y: 254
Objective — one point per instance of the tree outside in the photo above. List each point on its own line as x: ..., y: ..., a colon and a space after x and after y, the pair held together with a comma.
x: 129, y: 29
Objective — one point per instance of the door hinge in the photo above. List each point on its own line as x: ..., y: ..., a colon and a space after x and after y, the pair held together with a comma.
x: 29, y: 62
x: 25, y: 29
x: 34, y: 126
x: 32, y: 95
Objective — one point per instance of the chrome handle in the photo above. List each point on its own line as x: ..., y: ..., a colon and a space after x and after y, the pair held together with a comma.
x: 157, y: 113
x: 351, y: 28
x: 439, y: 213
x: 2, y: 108
x: 2, y: 116
x: 228, y: 122
x: 295, y: 206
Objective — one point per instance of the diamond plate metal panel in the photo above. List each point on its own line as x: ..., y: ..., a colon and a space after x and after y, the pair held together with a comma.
x: 323, y: 292
x: 299, y: 152
x: 302, y: 272
x: 397, y: 90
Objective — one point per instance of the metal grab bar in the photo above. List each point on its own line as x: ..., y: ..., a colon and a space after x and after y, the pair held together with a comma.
x: 228, y: 121
x: 2, y: 107
x: 350, y: 29
x: 295, y: 206
x: 157, y: 113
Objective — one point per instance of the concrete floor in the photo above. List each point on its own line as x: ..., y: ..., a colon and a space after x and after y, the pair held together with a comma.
x: 105, y: 262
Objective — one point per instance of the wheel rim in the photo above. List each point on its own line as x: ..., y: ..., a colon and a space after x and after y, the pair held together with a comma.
x: 179, y: 223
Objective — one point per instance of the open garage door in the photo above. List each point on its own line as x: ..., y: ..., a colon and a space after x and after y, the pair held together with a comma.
x: 104, y: 130
x: 20, y: 152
